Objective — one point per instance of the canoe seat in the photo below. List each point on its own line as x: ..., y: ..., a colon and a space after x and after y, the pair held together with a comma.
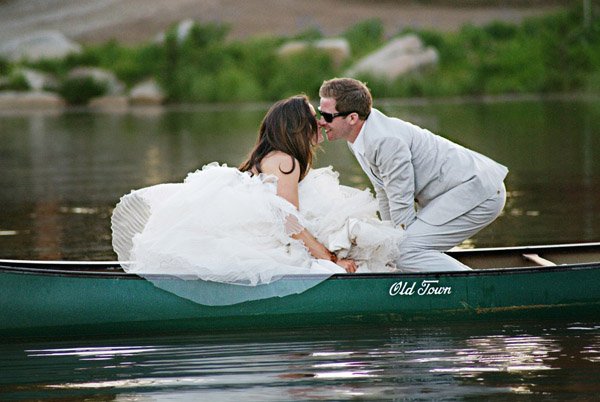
x: 539, y: 260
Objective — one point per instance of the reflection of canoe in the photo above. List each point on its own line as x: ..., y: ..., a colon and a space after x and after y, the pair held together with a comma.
x: 76, y: 298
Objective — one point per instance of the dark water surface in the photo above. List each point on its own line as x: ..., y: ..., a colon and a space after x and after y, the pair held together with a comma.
x: 61, y: 174
x: 503, y: 361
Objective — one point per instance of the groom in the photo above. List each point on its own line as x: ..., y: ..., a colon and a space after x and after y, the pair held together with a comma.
x: 438, y: 192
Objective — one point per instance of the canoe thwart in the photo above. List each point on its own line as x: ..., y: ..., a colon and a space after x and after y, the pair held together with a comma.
x: 539, y: 260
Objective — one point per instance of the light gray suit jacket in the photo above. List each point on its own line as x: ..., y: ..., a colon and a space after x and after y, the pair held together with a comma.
x: 408, y: 165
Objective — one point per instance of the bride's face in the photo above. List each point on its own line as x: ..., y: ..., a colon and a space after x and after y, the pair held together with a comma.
x: 318, y: 138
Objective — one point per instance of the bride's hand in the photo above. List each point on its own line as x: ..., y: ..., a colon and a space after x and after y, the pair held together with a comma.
x: 347, y: 264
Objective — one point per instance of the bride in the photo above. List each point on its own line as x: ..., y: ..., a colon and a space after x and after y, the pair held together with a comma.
x: 271, y: 218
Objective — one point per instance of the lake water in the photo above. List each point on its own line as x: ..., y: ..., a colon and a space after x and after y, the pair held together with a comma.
x: 503, y: 361
x: 62, y: 173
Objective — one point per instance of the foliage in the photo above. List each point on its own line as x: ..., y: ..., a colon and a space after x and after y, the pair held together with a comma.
x: 15, y: 81
x: 79, y: 90
x: 215, y: 70
x: 303, y: 72
x: 365, y: 37
x: 549, y: 54
x: 4, y: 66
x: 311, y: 34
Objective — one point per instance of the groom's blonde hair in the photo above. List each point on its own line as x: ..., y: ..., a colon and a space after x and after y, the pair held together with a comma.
x: 350, y: 95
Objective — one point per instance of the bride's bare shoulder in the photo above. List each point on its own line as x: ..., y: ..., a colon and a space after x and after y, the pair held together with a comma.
x: 277, y: 162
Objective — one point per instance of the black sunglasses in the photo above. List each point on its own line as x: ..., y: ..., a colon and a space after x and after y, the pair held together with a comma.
x: 330, y: 116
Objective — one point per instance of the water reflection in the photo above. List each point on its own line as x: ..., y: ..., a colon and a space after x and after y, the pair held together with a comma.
x: 439, y: 362
x: 64, y: 172
x: 503, y: 354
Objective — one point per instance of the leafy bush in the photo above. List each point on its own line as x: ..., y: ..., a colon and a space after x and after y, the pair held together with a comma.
x: 548, y: 54
x: 303, y: 72
x: 201, y: 36
x: 365, y: 37
x: 79, y: 91
x: 500, y: 30
x: 15, y: 81
x: 4, y: 66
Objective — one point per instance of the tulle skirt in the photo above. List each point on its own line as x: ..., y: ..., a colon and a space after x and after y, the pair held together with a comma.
x: 225, y: 226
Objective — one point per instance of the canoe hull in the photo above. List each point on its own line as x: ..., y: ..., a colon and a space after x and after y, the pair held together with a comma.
x: 48, y: 303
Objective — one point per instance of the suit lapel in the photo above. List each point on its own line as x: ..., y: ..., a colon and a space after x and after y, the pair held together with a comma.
x: 359, y: 149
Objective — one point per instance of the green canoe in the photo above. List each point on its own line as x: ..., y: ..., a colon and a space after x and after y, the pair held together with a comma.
x: 49, y: 298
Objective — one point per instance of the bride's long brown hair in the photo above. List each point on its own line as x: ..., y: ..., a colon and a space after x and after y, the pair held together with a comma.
x: 289, y: 127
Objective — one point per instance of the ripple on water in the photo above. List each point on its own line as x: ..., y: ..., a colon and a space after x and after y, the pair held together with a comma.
x: 450, y: 362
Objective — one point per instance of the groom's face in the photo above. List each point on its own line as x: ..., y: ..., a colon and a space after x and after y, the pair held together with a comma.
x: 338, y: 127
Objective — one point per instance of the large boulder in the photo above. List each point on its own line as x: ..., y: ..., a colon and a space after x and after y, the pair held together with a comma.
x: 183, y: 30
x: 31, y: 100
x: 109, y: 103
x: 146, y: 93
x: 38, y: 80
x: 400, y: 56
x: 337, y: 48
x: 39, y: 45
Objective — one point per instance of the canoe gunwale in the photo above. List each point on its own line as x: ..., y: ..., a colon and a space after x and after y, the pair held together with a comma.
x: 45, y: 298
x: 101, y: 274
x: 113, y: 270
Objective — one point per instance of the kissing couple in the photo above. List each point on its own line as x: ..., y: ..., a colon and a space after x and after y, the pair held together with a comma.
x: 276, y: 216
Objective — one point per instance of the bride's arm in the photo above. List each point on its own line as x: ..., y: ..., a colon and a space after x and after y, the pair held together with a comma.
x: 318, y: 250
x: 287, y: 187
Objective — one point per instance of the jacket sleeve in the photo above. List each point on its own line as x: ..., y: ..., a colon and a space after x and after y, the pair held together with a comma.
x: 384, y: 204
x: 392, y: 157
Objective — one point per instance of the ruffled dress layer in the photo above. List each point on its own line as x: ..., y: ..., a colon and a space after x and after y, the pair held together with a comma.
x: 222, y: 228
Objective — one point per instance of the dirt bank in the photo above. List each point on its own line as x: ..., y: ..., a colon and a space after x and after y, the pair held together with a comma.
x: 132, y: 21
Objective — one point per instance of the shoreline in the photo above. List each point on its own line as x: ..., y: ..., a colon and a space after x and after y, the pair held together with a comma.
x: 261, y: 106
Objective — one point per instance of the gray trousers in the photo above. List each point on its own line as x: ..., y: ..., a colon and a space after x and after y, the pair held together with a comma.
x: 423, y: 248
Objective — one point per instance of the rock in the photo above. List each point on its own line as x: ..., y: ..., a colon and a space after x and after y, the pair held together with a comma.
x: 113, y: 85
x: 291, y: 48
x: 337, y: 48
x: 30, y: 100
x: 39, y: 45
x: 182, y: 30
x: 147, y: 93
x: 38, y: 80
x: 400, y: 56
x: 110, y: 102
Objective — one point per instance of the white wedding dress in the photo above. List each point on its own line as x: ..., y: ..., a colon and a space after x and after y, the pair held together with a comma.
x: 228, y: 227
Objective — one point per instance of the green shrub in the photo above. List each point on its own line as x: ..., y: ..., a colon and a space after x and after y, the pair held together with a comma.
x: 309, y: 35
x: 592, y: 83
x: 259, y: 59
x: 206, y: 35
x: 303, y: 72
x: 500, y: 30
x: 365, y: 37
x: 79, y: 91
x: 15, y: 81
x: 230, y: 85
x: 5, y: 66
x: 544, y: 54
x: 53, y: 66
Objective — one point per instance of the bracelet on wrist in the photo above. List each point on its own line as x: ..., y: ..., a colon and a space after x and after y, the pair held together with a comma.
x: 332, y: 257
